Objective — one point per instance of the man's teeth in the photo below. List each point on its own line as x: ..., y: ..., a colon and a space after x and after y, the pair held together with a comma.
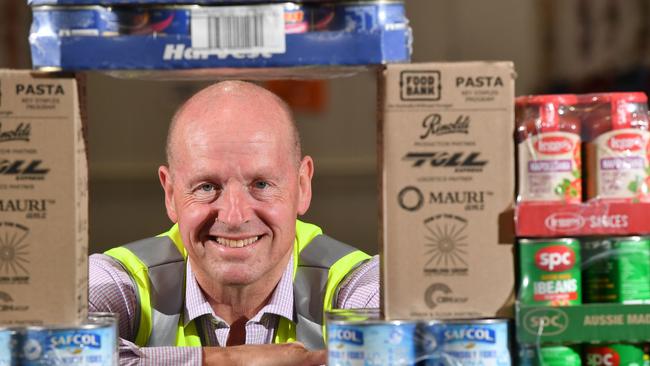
x: 236, y: 243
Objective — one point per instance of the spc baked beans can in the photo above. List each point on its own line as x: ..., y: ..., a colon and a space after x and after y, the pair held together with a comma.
x: 479, y: 342
x: 550, y: 272
x: 548, y: 149
x: 556, y: 355
x: 91, y: 344
x: 358, y: 337
x: 615, y: 355
x: 617, y: 270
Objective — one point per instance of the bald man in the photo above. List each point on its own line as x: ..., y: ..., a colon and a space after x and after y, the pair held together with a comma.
x: 238, y: 279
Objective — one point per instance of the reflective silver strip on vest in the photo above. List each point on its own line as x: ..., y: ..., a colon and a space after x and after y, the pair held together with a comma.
x: 166, y: 269
x: 310, y: 284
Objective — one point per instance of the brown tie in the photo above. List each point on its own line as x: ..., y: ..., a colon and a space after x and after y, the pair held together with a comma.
x: 237, y: 333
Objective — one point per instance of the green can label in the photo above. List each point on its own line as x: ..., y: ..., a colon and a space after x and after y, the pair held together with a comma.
x: 550, y: 272
x: 617, y: 270
x: 615, y: 355
x: 550, y: 356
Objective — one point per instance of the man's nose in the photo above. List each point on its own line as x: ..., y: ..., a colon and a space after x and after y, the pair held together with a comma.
x: 232, y: 206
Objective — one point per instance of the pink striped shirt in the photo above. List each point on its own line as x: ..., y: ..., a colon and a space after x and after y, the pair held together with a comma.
x: 111, y: 290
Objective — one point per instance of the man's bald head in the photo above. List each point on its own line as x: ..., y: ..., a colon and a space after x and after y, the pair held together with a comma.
x: 222, y: 101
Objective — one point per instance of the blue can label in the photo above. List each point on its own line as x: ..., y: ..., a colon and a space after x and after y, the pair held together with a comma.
x: 48, y: 347
x: 479, y: 344
x: 370, y: 344
x: 7, y: 348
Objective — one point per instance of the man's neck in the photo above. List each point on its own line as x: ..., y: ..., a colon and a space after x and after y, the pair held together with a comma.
x: 232, y: 303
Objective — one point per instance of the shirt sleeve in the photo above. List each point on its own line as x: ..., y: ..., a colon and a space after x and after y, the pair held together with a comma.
x: 111, y: 290
x: 361, y: 288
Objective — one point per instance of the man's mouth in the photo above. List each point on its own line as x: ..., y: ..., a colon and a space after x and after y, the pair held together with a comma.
x: 234, y: 243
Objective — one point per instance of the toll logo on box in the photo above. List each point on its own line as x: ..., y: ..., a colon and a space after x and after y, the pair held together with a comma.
x: 420, y: 85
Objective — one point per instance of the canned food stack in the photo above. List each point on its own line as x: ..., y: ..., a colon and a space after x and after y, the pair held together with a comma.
x: 219, y: 37
x: 583, y: 298
x: 362, y: 337
x: 93, y: 343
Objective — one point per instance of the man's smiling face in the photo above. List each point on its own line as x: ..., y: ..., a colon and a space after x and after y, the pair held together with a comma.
x: 236, y: 184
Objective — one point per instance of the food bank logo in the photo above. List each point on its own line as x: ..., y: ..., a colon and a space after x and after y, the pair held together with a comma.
x: 420, y: 85
x: 555, y: 258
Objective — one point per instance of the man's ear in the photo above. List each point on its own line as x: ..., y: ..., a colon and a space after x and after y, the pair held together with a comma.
x: 306, y: 172
x: 168, y: 187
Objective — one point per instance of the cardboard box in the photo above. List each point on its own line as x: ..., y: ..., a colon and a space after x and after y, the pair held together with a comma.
x: 446, y: 138
x: 43, y: 201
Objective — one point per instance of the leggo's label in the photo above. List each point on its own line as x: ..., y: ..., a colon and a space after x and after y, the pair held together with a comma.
x: 549, y: 168
x: 622, y: 165
x: 550, y: 272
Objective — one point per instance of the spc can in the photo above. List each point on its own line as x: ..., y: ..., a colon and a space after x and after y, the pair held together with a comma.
x: 358, y: 338
x: 550, y: 272
x: 550, y: 356
x: 91, y: 344
x: 615, y: 354
x: 481, y: 342
x: 8, y: 342
x: 617, y: 270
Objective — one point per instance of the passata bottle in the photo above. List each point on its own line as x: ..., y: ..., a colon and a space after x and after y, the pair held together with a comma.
x: 617, y: 148
x: 548, y: 147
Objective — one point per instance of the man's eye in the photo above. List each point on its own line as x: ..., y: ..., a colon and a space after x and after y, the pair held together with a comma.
x: 207, y: 187
x: 260, y: 184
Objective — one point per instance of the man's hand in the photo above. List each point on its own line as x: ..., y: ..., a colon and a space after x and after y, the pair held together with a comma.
x: 288, y: 354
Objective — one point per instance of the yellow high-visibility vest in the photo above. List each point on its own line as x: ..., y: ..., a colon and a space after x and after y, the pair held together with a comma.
x: 157, y: 268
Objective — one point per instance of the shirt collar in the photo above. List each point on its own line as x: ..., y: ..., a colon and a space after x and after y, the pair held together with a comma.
x: 280, y: 302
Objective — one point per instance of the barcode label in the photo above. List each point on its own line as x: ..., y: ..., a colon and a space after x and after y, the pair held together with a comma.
x: 245, y: 29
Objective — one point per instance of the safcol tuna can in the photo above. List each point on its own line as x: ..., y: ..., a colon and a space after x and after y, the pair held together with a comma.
x: 8, y: 340
x: 481, y: 342
x: 91, y: 344
x: 358, y: 337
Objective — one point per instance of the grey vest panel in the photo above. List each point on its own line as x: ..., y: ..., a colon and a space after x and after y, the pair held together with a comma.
x: 310, y: 284
x: 166, y: 269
